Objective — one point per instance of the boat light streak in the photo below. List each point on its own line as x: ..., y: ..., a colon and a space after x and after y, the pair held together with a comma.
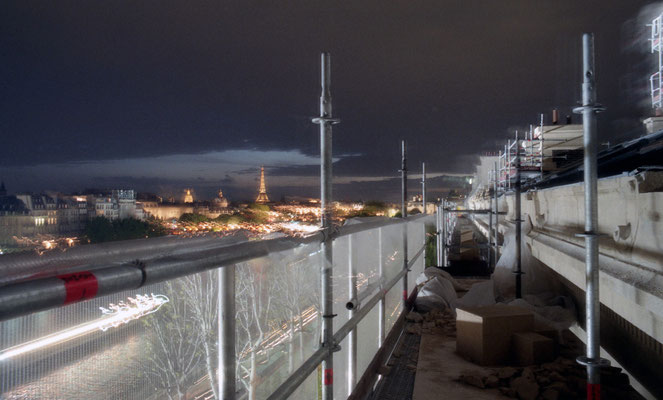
x: 112, y: 317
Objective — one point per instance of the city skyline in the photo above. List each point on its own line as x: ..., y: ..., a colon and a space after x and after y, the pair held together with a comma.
x: 100, y: 94
x: 241, y: 183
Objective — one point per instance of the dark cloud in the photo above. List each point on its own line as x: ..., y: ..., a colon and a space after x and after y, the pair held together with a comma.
x: 89, y: 80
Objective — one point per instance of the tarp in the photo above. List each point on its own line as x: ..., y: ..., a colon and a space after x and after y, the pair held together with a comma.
x: 437, y: 293
x: 432, y: 272
x: 536, y: 278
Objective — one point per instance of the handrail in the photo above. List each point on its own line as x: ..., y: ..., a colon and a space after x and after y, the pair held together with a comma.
x: 53, y: 291
x: 22, y: 266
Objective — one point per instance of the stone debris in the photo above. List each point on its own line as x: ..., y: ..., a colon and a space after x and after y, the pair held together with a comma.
x: 507, y: 391
x: 492, y: 381
x: 525, y: 388
x: 550, y: 394
x: 559, y: 380
x: 555, y: 377
x: 414, y: 329
x: 437, y: 322
x: 527, y: 373
x: 560, y: 387
x: 473, y: 380
x: 506, y: 372
x: 414, y: 317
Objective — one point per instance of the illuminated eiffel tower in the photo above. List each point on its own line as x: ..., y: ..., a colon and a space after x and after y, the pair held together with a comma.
x: 262, y: 195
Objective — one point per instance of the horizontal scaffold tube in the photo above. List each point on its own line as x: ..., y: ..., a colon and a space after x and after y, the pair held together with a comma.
x: 451, y: 210
x: 378, y: 286
x: 302, y: 373
x: 299, y: 375
x: 48, y: 292
x: 18, y: 267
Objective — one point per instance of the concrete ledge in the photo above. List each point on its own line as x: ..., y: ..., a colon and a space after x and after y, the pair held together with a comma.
x: 625, y: 295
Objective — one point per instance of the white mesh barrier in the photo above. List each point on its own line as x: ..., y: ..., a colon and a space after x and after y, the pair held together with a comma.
x: 162, y: 340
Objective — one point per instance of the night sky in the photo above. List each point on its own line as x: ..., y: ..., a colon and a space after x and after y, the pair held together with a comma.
x: 163, y: 95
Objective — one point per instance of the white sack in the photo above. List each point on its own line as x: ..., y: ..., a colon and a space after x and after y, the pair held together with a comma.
x: 433, y: 272
x: 437, y: 293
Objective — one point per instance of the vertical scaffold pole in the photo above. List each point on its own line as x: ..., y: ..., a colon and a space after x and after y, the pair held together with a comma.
x: 423, y: 204
x: 499, y: 169
x: 425, y: 244
x: 381, y: 309
x: 508, y: 162
x: 589, y: 109
x: 404, y: 216
x: 423, y: 188
x: 490, y: 227
x: 530, y: 142
x: 352, y: 336
x: 438, y: 242
x: 541, y: 142
x: 325, y: 121
x: 444, y: 233
x: 497, y: 219
x: 226, y: 309
x: 519, y: 266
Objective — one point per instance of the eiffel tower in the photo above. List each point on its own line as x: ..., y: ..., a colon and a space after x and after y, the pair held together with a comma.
x: 262, y: 195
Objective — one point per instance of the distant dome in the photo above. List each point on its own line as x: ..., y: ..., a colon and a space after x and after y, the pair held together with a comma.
x: 188, y: 198
x: 221, y: 201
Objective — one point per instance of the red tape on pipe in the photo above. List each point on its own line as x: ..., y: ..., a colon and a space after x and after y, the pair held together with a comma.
x: 329, y: 377
x: 593, y: 391
x: 79, y: 286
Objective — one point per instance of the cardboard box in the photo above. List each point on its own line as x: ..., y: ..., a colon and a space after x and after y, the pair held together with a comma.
x: 532, y: 348
x: 467, y: 237
x: 469, y: 254
x: 483, y: 334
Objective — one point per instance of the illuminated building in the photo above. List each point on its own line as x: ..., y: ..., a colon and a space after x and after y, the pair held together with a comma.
x: 44, y: 210
x: 188, y: 197
x: 120, y: 204
x: 220, y: 201
x: 166, y: 211
x: 29, y: 215
x: 126, y: 201
x: 14, y: 218
x: 105, y: 207
x: 262, y: 193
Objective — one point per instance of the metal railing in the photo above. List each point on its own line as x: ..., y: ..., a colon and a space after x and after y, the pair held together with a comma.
x: 80, y: 332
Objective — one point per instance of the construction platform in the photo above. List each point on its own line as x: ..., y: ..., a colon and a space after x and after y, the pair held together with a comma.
x: 425, y: 366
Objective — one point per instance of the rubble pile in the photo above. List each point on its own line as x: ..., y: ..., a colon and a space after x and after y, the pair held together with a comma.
x: 558, y: 380
x: 436, y: 322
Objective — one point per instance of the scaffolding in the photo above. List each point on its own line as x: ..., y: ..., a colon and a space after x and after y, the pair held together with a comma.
x: 655, y: 80
x: 541, y: 149
x: 531, y: 159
